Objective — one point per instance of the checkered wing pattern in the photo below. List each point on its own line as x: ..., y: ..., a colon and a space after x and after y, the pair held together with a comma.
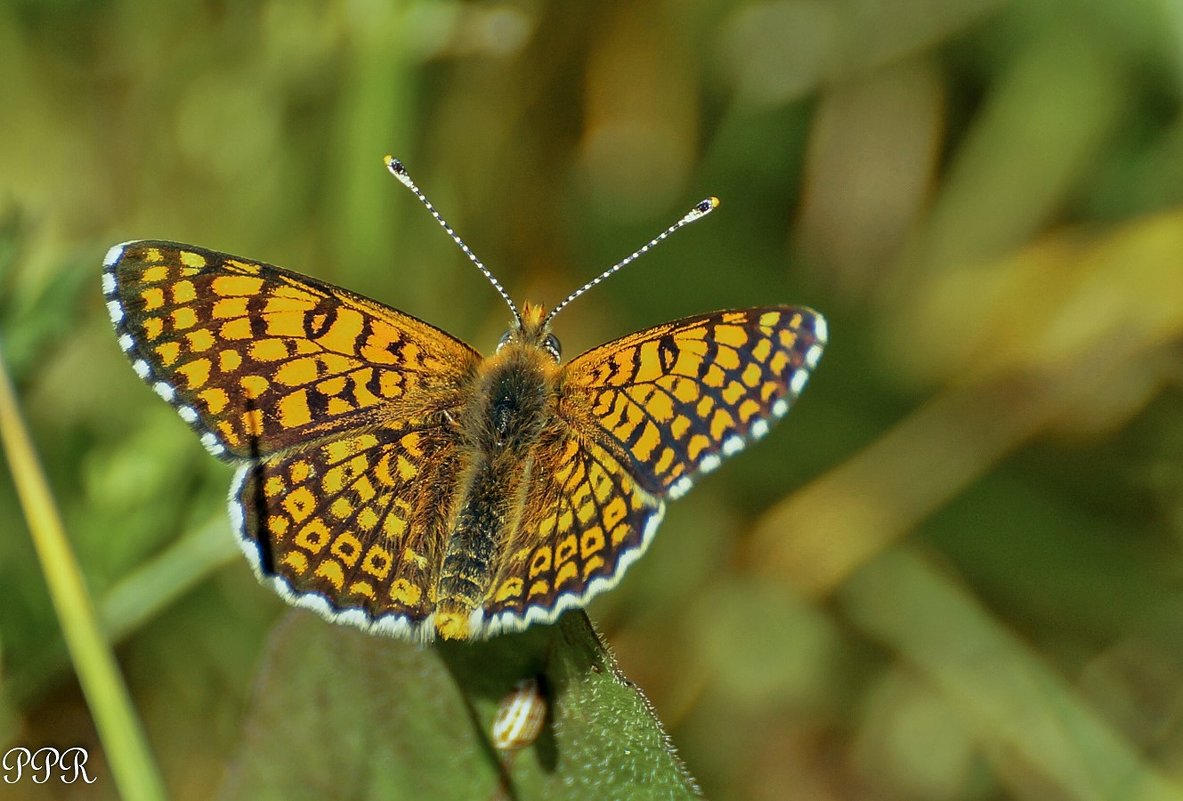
x: 258, y: 359
x: 680, y: 397
x: 586, y: 521
x: 353, y: 527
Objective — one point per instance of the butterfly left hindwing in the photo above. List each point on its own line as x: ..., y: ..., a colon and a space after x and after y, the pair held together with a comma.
x: 352, y: 527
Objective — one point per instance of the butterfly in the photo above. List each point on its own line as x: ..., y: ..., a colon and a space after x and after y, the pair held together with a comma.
x: 391, y: 477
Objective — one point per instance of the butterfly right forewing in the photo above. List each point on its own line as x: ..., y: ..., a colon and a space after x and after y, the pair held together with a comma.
x: 680, y: 397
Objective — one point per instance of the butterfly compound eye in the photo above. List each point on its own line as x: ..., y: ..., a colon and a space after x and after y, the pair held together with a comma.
x: 551, y: 343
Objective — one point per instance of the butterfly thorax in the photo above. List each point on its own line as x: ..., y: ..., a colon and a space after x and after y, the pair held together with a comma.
x: 511, y: 402
x: 501, y: 430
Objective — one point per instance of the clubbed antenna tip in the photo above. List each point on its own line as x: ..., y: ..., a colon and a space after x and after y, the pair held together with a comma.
x: 700, y: 210
x: 400, y: 172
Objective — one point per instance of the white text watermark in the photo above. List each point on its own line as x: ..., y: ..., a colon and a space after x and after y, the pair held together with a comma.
x: 67, y: 765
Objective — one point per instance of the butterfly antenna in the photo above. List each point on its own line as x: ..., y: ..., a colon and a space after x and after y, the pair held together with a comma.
x: 400, y: 172
x: 700, y: 210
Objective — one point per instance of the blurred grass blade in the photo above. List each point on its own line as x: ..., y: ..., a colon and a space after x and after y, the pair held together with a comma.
x: 1075, y: 332
x: 863, y: 505
x: 137, y: 598
x: 158, y: 583
x: 123, y: 740
x: 1012, y: 699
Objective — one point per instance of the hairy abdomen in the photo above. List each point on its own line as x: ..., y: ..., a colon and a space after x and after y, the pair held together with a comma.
x: 500, y: 429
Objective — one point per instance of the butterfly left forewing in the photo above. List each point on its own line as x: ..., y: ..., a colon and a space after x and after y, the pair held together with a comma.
x: 680, y: 397
x: 258, y: 359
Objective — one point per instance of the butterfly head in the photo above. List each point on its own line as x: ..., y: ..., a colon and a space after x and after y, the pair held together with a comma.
x: 531, y: 328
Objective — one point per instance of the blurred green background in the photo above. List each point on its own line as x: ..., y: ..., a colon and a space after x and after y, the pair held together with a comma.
x: 954, y: 573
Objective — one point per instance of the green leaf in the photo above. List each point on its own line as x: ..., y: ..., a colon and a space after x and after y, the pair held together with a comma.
x: 342, y: 714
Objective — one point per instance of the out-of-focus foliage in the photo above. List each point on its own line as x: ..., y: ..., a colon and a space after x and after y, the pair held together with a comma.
x: 953, y: 573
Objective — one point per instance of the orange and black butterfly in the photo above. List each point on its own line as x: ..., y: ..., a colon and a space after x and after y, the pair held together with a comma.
x: 391, y: 477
